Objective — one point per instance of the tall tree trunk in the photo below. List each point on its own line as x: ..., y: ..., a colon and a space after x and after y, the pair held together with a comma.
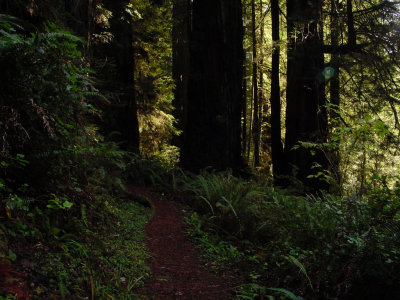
x: 306, y: 118
x: 123, y: 52
x: 91, y: 24
x: 244, y: 106
x: 334, y: 89
x: 250, y: 125
x: 180, y: 61
x: 213, y: 126
x: 78, y: 16
x: 256, y: 126
x: 350, y: 25
x: 276, y: 137
x: 262, y: 110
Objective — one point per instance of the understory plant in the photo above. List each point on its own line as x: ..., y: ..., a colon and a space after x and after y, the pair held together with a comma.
x: 57, y: 197
x: 305, y: 246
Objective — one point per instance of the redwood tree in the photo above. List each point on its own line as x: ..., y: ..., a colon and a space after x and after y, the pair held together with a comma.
x: 213, y: 112
x: 305, y: 96
x: 180, y: 57
x: 255, y: 98
x: 121, y: 49
x: 276, y: 137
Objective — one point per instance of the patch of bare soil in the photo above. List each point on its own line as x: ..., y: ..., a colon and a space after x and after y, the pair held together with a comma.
x: 12, y: 282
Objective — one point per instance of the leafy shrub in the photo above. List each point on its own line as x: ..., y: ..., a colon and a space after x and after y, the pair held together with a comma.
x: 150, y: 171
x: 336, y: 240
x: 320, y: 247
x: 56, y: 191
x: 225, y: 197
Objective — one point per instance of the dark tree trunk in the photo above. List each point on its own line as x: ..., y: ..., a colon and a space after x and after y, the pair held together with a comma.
x: 213, y: 127
x: 350, y: 25
x: 123, y: 52
x: 262, y: 147
x: 263, y: 130
x: 180, y: 65
x: 91, y: 25
x: 250, y: 126
x: 77, y: 16
x: 276, y: 137
x: 335, y: 63
x: 244, y: 106
x: 334, y: 89
x: 305, y: 109
x: 256, y: 126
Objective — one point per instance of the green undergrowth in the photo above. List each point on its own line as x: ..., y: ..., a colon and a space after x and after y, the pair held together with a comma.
x: 286, y: 246
x: 105, y: 260
x: 66, y: 224
x: 219, y: 254
x: 121, y: 260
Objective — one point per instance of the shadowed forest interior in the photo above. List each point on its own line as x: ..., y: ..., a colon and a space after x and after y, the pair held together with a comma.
x: 272, y: 125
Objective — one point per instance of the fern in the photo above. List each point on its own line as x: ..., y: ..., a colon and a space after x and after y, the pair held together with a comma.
x: 287, y: 293
x: 9, y: 23
x: 302, y: 269
x: 61, y: 284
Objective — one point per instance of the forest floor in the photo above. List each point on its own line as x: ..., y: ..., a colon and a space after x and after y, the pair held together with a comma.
x: 177, y: 269
x: 13, y: 282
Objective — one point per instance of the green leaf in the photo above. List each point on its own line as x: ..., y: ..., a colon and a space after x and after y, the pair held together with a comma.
x: 67, y: 204
x: 12, y: 255
x: 55, y: 230
x: 301, y: 267
x: 287, y: 293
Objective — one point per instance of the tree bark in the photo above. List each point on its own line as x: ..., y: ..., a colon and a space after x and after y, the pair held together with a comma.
x: 306, y: 118
x: 350, y: 25
x: 244, y: 106
x: 256, y: 126
x: 123, y: 52
x: 250, y: 125
x: 276, y: 135
x: 180, y: 62
x: 213, y: 127
x: 264, y: 143
x: 334, y: 89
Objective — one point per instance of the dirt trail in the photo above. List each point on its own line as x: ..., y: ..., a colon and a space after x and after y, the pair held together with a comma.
x: 12, y: 282
x: 177, y: 270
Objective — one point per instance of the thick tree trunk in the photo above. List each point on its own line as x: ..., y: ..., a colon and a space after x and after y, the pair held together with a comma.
x: 91, y: 25
x: 335, y: 88
x: 306, y: 118
x: 180, y: 64
x: 276, y: 136
x: 213, y: 127
x: 263, y: 130
x: 123, y: 52
x: 77, y: 16
x: 256, y: 126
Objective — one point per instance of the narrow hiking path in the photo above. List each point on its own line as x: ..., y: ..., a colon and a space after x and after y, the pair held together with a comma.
x: 176, y: 268
x: 13, y: 282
